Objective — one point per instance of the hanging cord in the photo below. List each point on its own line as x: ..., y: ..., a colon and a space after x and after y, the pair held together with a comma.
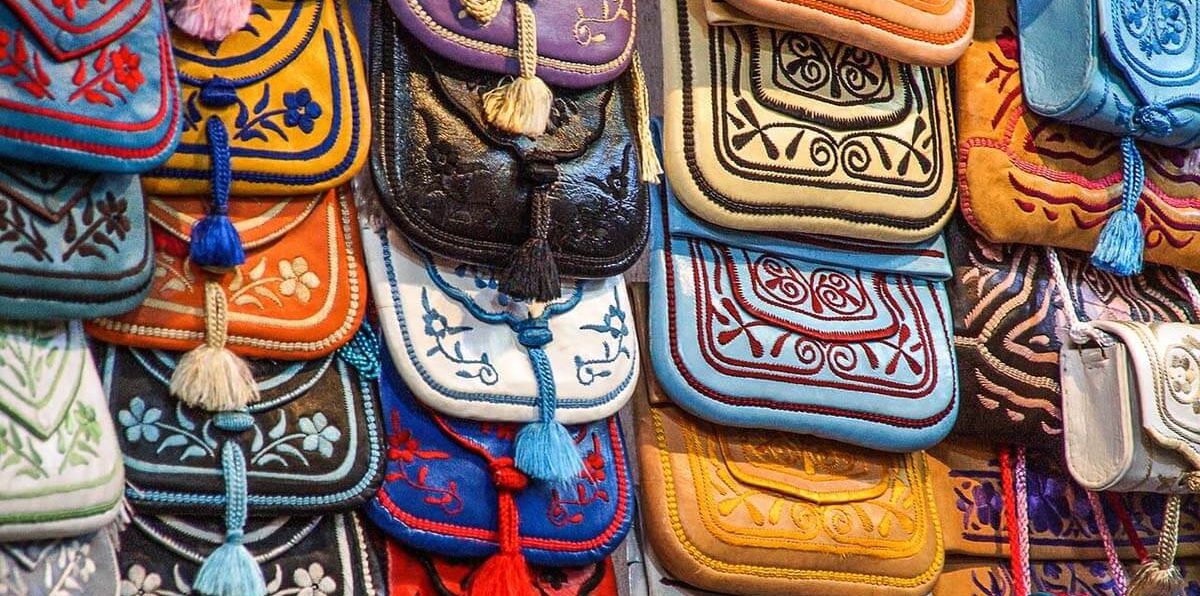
x: 649, y: 168
x: 1193, y: 294
x: 522, y: 105
x: 532, y: 273
x: 215, y: 243
x: 1081, y: 332
x: 1122, y: 242
x: 544, y: 449
x: 211, y: 376
x: 1158, y: 576
x: 1120, y: 580
x: 1021, y: 490
x: 1018, y: 561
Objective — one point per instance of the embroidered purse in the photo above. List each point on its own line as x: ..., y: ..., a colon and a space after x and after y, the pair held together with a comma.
x: 1034, y: 180
x: 470, y: 351
x: 313, y: 442
x: 415, y: 573
x: 844, y: 340
x: 994, y: 578
x: 568, y: 203
x: 279, y: 107
x: 1007, y: 312
x: 75, y: 245
x: 61, y: 472
x: 87, y: 85
x: 86, y: 564
x: 318, y: 555
x: 452, y: 488
x: 928, y: 33
x: 774, y: 513
x: 781, y: 131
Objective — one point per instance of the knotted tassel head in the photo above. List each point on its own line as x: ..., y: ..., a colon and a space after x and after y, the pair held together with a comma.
x: 545, y: 448
x: 506, y: 573
x: 215, y: 243
x: 521, y: 106
x: 211, y: 377
x: 231, y: 570
x: 532, y: 273
x: 1122, y: 242
x: 1158, y: 575
x: 210, y: 20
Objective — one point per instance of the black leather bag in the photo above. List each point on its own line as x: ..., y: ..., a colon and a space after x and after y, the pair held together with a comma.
x: 570, y: 201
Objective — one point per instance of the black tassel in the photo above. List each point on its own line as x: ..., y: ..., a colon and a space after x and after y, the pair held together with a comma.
x: 532, y: 273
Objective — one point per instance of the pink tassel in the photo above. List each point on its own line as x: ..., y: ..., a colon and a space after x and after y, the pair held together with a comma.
x: 210, y: 20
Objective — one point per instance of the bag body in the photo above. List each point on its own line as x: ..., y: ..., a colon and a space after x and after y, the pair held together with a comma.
x: 61, y: 475
x: 75, y: 244
x: 289, y: 92
x: 773, y: 130
x: 87, y: 564
x: 88, y: 86
x: 974, y: 577
x: 415, y: 573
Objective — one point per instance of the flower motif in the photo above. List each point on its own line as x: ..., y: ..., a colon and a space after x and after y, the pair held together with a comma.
x: 112, y: 210
x: 436, y: 324
x: 300, y: 110
x: 297, y: 279
x: 616, y: 314
x: 127, y: 68
x: 319, y: 435
x: 313, y: 581
x: 1048, y: 504
x: 989, y: 504
x: 139, y: 421
x: 139, y: 583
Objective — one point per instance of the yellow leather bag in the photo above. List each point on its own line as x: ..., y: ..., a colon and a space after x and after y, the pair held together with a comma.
x: 772, y: 513
x: 290, y: 93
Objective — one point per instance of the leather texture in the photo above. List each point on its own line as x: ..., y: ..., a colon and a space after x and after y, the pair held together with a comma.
x: 764, y: 512
x: 1008, y: 314
x: 298, y: 122
x: 933, y: 33
x: 326, y: 555
x: 461, y: 191
x: 300, y: 295
x: 87, y: 85
x: 438, y: 494
x: 848, y: 341
x: 1034, y: 180
x: 468, y: 367
x: 415, y: 573
x: 1062, y: 525
x: 61, y: 474
x: 773, y: 130
x: 967, y: 577
x: 316, y: 442
x: 1132, y: 69
x: 74, y: 244
x: 579, y: 44
x: 86, y: 564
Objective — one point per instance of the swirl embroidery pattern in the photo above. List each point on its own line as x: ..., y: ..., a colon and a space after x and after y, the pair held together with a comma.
x: 1160, y: 26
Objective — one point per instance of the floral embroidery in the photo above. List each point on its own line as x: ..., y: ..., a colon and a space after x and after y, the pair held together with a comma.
x: 485, y: 279
x: 75, y: 443
x: 68, y: 7
x: 587, y: 370
x: 86, y: 232
x: 138, y: 582
x: 301, y: 111
x: 610, y: 11
x: 438, y: 328
x: 319, y: 436
x: 404, y: 457
x: 253, y: 123
x: 1183, y: 372
x: 60, y: 568
x: 109, y: 69
x: 297, y: 279
x: 313, y: 581
x: 247, y: 288
x: 23, y: 66
x: 566, y: 509
x: 1160, y: 26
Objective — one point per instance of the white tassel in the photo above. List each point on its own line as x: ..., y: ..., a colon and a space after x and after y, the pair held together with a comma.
x: 211, y: 377
x: 523, y: 105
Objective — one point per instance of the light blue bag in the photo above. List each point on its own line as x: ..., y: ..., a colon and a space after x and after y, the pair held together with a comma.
x: 1126, y: 67
x: 844, y: 340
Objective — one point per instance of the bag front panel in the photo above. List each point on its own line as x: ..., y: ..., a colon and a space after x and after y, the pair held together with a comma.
x: 994, y: 578
x: 86, y: 563
x: 1032, y: 180
x: 415, y: 573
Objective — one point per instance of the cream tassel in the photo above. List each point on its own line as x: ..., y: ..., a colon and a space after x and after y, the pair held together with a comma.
x: 211, y: 377
x: 649, y: 168
x: 1158, y: 576
x: 482, y: 11
x: 521, y: 106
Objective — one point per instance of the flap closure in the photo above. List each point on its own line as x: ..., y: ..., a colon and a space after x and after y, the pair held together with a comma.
x: 806, y: 468
x: 1155, y: 46
x: 258, y: 221
x: 278, y: 381
x: 71, y: 29
x: 277, y: 33
x: 193, y: 538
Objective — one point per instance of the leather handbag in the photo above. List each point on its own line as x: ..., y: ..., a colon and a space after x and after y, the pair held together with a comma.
x: 844, y: 340
x: 452, y: 489
x: 928, y: 33
x: 767, y: 512
x: 568, y: 203
x: 970, y: 499
x: 278, y: 107
x: 774, y: 130
x: 312, y: 444
x: 61, y: 472
x: 1036, y: 180
x: 310, y: 555
x: 1008, y: 311
x: 84, y: 565
x: 415, y: 573
x: 470, y: 351
x: 87, y: 85
x: 75, y: 244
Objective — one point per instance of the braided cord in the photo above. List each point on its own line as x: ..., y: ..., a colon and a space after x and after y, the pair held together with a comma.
x: 1021, y: 507
x: 216, y: 314
x: 1120, y: 580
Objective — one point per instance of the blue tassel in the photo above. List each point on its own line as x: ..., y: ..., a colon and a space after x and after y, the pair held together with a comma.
x: 1122, y: 242
x: 231, y: 570
x: 545, y: 449
x: 215, y: 242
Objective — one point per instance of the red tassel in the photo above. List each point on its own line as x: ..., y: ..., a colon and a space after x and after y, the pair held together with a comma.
x: 504, y: 574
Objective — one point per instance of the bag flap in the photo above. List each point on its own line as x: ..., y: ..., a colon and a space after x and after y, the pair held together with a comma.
x: 578, y: 45
x: 440, y: 320
x: 323, y: 554
x: 87, y: 563
x: 258, y: 221
x: 778, y: 130
x: 1155, y: 46
x: 299, y: 123
x: 298, y: 296
x: 69, y: 30
x: 1099, y: 430
x: 431, y: 476
x: 711, y: 528
x: 1057, y: 69
x: 415, y: 573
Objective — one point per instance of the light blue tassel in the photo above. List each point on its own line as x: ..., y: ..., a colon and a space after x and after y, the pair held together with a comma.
x: 1122, y: 242
x: 545, y: 449
x: 231, y: 570
x: 215, y: 242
